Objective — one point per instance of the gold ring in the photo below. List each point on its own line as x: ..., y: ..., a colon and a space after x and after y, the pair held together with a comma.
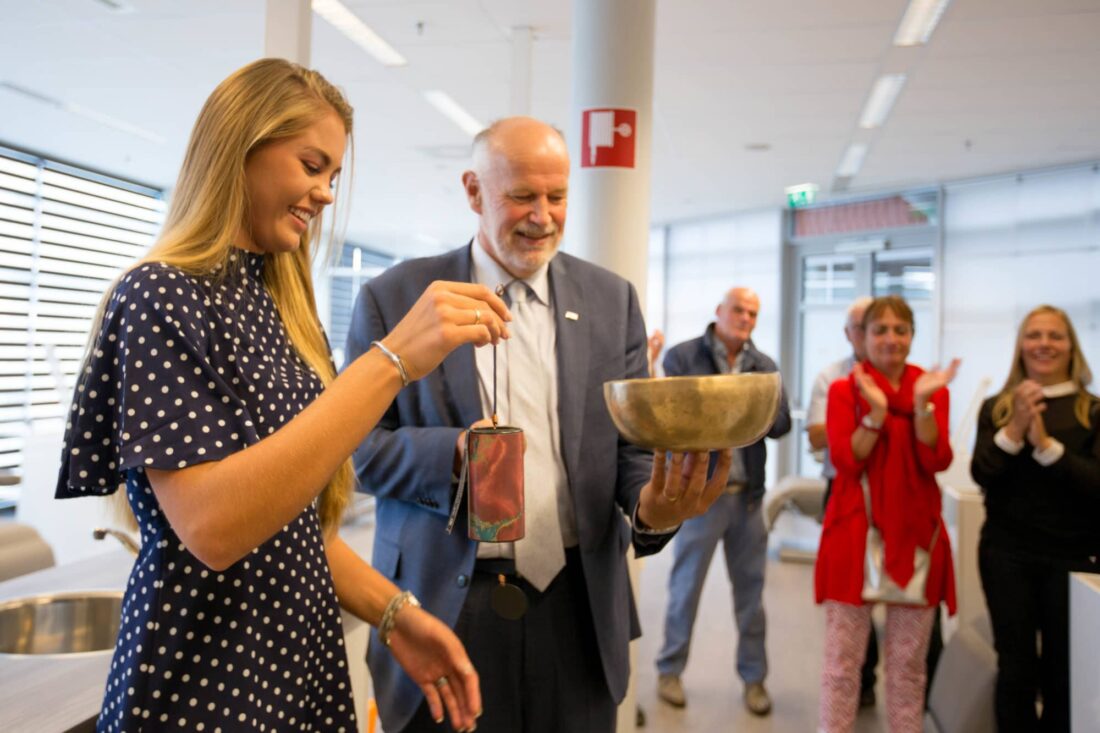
x: 477, y: 316
x: 442, y: 682
x: 669, y: 499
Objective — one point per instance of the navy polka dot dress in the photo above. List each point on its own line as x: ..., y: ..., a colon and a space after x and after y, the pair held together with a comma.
x: 187, y: 369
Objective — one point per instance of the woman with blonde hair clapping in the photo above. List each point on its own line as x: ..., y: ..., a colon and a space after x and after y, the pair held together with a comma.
x: 1037, y: 459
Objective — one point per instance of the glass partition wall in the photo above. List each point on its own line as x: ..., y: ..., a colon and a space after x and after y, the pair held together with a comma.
x: 865, y: 248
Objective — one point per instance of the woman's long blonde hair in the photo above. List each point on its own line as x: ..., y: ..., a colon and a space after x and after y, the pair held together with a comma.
x: 1079, y: 372
x: 266, y: 100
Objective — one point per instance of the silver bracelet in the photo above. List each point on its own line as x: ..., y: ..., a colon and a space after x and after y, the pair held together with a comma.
x: 396, y: 362
x: 389, y: 616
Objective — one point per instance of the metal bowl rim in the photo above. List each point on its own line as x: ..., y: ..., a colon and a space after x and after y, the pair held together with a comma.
x: 697, y: 377
x: 44, y: 598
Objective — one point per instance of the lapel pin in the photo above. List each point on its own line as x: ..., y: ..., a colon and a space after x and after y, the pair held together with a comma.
x: 571, y: 316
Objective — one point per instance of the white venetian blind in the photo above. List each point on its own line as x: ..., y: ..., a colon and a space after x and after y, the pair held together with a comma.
x: 65, y: 234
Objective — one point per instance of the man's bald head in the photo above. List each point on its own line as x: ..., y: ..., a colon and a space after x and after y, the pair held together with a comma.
x: 511, y: 136
x: 518, y: 186
x: 735, y: 318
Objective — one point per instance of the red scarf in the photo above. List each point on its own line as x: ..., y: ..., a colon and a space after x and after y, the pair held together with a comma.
x: 904, y: 498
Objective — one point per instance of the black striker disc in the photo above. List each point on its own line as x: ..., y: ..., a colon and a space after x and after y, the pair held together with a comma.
x: 507, y: 600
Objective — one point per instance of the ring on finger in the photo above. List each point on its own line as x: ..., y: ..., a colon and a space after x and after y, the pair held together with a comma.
x: 670, y: 499
x: 442, y: 682
x: 477, y: 316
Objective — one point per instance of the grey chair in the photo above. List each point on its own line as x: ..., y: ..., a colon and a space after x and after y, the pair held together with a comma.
x: 22, y: 550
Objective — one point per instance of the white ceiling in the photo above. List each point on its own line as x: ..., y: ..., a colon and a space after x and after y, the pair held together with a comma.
x: 1003, y: 85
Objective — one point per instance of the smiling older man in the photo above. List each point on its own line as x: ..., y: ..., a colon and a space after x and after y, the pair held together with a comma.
x: 563, y: 665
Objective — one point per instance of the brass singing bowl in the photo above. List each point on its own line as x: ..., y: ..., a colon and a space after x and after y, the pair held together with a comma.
x: 694, y: 413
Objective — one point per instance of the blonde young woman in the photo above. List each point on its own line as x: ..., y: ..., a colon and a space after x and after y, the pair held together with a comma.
x: 209, y: 393
x: 1037, y: 459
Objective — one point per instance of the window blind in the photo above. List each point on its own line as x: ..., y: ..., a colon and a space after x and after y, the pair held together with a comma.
x: 357, y: 266
x: 65, y: 234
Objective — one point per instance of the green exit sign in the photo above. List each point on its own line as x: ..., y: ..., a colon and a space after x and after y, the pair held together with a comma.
x: 801, y: 195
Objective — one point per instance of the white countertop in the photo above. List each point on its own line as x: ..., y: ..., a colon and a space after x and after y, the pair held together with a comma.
x: 1089, y: 580
x: 54, y: 694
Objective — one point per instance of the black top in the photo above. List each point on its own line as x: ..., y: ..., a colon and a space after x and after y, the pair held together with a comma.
x: 188, y: 369
x: 1053, y: 510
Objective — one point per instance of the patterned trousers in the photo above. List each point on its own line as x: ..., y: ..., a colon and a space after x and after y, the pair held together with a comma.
x: 907, y: 634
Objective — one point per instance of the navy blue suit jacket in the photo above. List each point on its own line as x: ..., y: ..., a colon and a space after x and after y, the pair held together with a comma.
x: 407, y: 461
x: 695, y: 357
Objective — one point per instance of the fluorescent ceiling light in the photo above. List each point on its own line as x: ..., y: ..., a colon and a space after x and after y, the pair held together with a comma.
x: 852, y: 160
x: 91, y: 114
x: 919, y: 21
x: 349, y: 24
x: 452, y: 111
x: 883, y: 95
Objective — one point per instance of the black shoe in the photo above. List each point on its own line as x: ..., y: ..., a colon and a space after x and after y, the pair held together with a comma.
x: 867, y: 698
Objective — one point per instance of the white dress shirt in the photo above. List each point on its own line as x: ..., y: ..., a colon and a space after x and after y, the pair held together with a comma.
x: 487, y: 272
x: 819, y: 402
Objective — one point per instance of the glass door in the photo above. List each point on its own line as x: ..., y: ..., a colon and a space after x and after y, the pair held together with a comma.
x: 829, y: 279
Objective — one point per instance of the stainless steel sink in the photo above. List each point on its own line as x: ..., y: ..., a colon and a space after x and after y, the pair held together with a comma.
x: 60, y: 623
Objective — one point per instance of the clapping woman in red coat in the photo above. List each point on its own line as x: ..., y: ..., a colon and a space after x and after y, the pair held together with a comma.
x: 887, y: 425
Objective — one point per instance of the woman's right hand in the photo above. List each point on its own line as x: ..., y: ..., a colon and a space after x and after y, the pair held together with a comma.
x: 871, y: 392
x: 1027, y: 402
x: 447, y: 315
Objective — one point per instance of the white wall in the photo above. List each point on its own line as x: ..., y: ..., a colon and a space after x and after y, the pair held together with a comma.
x: 704, y: 260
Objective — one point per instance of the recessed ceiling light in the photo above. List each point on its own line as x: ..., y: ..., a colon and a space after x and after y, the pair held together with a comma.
x: 883, y: 95
x: 852, y: 160
x: 359, y: 32
x: 920, y: 19
x: 453, y: 111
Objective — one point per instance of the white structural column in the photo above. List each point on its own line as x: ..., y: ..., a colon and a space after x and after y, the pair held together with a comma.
x: 288, y: 26
x: 610, y: 134
x: 610, y: 126
x: 288, y: 30
x: 522, y: 46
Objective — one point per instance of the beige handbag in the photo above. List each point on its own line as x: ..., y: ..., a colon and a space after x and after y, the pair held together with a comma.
x: 878, y: 586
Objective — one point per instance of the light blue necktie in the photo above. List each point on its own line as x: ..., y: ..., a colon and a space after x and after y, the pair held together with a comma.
x: 540, y: 555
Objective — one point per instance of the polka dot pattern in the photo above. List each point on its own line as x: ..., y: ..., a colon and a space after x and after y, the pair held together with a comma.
x: 188, y: 369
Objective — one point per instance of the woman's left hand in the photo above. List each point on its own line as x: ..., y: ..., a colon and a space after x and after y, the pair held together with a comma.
x: 932, y: 381
x: 436, y: 660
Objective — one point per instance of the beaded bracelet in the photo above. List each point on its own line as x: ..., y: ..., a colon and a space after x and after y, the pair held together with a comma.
x: 389, y: 616
x: 396, y: 362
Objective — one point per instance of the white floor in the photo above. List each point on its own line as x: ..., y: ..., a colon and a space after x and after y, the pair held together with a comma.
x: 795, y: 642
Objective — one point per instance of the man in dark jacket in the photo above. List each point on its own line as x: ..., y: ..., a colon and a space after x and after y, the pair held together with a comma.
x: 725, y: 348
